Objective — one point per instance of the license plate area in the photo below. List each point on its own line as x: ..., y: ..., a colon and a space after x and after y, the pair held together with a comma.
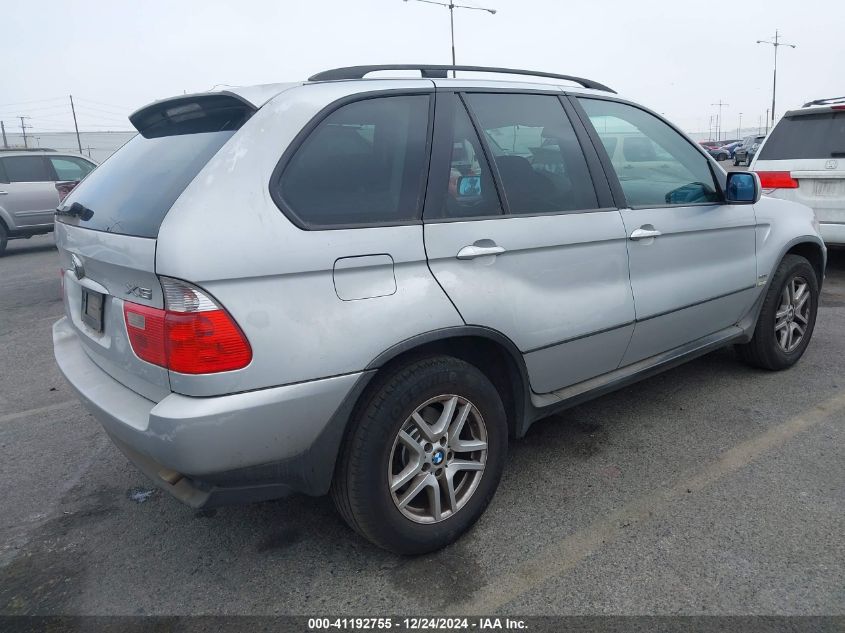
x: 826, y: 188
x: 92, y: 309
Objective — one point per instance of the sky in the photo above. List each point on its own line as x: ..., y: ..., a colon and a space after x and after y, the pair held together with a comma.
x: 676, y: 56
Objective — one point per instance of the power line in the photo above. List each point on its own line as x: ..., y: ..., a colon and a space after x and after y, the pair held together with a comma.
x: 33, y: 101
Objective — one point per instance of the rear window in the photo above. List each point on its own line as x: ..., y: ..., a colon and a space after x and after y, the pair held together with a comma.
x: 806, y: 136
x: 134, y: 189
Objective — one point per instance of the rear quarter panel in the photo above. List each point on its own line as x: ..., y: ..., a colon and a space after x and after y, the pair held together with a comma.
x: 227, y: 235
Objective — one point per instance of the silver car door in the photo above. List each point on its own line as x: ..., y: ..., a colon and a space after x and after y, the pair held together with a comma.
x: 692, y: 257
x: 522, y: 240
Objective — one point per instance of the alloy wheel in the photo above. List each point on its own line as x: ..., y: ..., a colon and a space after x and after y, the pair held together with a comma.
x: 793, y: 314
x: 438, y: 459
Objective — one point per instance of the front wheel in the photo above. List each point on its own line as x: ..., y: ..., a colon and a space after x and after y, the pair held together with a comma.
x: 787, y: 319
x: 424, y: 457
x: 4, y: 237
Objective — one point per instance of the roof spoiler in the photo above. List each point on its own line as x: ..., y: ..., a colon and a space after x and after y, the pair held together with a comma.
x: 192, y: 114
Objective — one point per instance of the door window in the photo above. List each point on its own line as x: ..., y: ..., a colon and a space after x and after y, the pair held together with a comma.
x: 69, y: 168
x: 471, y: 191
x: 363, y: 164
x: 655, y: 165
x: 537, y: 155
x: 26, y: 169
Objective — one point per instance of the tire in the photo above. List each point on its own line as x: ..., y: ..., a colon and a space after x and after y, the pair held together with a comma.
x: 374, y: 455
x: 4, y: 238
x: 722, y: 157
x: 766, y: 349
x: 736, y: 163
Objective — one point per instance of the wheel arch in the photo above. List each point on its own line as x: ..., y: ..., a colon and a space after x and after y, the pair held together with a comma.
x: 490, y: 351
x: 810, y: 250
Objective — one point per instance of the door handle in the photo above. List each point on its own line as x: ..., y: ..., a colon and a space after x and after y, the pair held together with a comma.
x: 641, y: 234
x: 4, y: 193
x: 473, y: 251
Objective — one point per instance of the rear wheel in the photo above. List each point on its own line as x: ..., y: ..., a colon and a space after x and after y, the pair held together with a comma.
x: 425, y: 456
x: 787, y: 319
x: 722, y: 157
x: 4, y: 238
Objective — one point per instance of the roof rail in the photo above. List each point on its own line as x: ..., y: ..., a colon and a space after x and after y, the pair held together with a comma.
x: 27, y: 149
x: 827, y: 101
x: 439, y: 71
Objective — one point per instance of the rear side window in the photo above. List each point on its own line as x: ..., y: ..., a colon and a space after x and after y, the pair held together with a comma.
x: 70, y: 168
x: 538, y: 157
x: 806, y: 136
x: 363, y: 164
x: 26, y: 169
x: 133, y: 190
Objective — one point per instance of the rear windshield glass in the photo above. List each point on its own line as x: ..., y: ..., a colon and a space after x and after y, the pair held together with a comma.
x: 134, y: 189
x: 807, y: 136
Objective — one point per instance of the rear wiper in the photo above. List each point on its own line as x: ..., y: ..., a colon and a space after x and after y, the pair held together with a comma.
x: 76, y: 210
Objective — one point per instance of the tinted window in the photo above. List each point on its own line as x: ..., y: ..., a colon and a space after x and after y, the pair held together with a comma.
x: 657, y: 166
x: 537, y: 154
x: 69, y: 168
x: 26, y: 169
x: 363, y: 164
x: 471, y: 191
x: 806, y: 136
x: 133, y: 190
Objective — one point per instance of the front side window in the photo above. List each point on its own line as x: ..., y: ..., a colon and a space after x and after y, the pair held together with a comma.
x: 26, y: 169
x: 537, y: 155
x: 655, y: 165
x: 363, y: 164
x: 69, y: 168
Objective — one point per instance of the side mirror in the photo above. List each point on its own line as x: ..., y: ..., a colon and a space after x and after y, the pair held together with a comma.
x: 469, y: 187
x: 743, y: 187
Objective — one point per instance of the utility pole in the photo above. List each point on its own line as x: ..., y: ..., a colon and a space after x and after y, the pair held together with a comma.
x: 73, y: 110
x: 739, y: 127
x: 23, y: 129
x: 3, y: 129
x: 719, y: 120
x: 775, y: 43
x: 452, y: 6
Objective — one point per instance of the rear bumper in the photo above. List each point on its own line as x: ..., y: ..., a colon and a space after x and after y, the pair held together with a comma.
x: 240, y: 447
x: 832, y: 233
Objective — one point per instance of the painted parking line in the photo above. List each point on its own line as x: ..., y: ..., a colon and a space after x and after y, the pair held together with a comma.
x: 66, y: 404
x: 565, y: 554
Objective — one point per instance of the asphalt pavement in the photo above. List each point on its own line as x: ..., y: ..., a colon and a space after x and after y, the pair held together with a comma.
x: 709, y: 489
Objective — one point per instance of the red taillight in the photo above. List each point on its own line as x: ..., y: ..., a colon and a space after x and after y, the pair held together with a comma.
x: 842, y: 107
x: 65, y: 188
x: 145, y: 327
x: 777, y: 180
x: 198, y: 337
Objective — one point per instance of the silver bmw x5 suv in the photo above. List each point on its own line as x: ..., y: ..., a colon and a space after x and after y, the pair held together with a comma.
x: 367, y: 286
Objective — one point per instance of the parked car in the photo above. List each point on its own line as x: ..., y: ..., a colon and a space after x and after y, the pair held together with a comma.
x: 744, y: 154
x: 803, y: 160
x: 708, y: 145
x: 252, y: 309
x: 32, y: 184
x: 726, y: 151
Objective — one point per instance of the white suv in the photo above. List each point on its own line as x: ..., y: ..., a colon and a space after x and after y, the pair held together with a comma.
x: 803, y: 160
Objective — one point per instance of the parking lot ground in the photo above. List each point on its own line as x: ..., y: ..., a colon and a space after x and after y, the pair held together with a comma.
x: 709, y: 489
